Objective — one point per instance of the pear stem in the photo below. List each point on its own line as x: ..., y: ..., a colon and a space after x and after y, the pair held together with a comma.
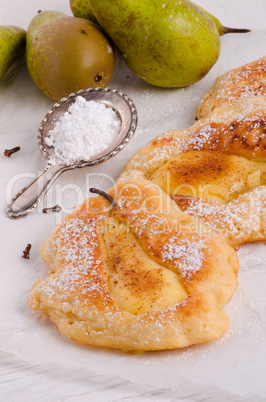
x: 104, y: 194
x: 226, y: 30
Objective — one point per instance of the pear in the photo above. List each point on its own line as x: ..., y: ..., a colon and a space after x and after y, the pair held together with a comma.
x: 65, y: 54
x: 166, y: 43
x: 81, y: 9
x: 12, y: 46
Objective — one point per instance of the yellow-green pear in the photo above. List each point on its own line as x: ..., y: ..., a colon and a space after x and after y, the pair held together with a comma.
x: 166, y: 43
x: 81, y: 9
x: 12, y: 46
x: 66, y: 54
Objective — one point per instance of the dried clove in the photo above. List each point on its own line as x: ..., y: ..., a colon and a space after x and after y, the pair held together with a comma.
x: 26, y: 252
x: 105, y: 195
x: 9, y: 152
x: 56, y: 208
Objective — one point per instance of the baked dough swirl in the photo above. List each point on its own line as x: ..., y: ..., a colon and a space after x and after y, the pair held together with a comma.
x: 139, y: 276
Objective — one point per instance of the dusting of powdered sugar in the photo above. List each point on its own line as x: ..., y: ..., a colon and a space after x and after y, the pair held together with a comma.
x: 244, y: 82
x: 203, y: 136
x: 240, y: 221
x: 186, y: 254
x: 77, y: 247
x: 86, y: 129
x: 217, y: 216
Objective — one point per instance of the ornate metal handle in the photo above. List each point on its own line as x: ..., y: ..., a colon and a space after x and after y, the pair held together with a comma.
x: 31, y: 195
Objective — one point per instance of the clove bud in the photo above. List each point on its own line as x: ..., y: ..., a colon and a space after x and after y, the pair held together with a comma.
x: 9, y: 152
x: 56, y: 208
x: 26, y: 252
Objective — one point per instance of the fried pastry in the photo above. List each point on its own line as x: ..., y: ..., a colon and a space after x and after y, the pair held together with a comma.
x: 218, y: 159
x: 210, y: 175
x: 226, y: 191
x: 242, y: 82
x: 237, y: 129
x: 242, y: 220
x: 139, y: 275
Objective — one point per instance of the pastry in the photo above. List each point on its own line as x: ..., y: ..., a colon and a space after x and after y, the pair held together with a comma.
x: 139, y: 275
x: 242, y: 82
x: 236, y: 129
x: 218, y: 160
x: 242, y: 220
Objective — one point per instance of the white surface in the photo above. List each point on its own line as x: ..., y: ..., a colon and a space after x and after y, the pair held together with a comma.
x: 36, y: 361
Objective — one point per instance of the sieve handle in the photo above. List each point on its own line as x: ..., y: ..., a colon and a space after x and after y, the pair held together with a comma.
x: 30, y: 196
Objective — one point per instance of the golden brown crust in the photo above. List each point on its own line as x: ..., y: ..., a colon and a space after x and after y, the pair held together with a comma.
x: 241, y: 221
x: 242, y: 82
x: 227, y: 192
x: 220, y: 159
x: 130, y: 278
x: 209, y: 175
x: 237, y: 129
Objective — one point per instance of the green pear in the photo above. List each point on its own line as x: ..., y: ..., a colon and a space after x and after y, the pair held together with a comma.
x: 65, y: 54
x: 81, y: 9
x: 12, y: 46
x: 166, y: 43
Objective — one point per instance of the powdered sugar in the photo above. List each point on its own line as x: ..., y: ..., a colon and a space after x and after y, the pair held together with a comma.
x: 205, y: 134
x: 86, y: 129
x: 163, y: 238
x: 188, y: 251
x: 78, y: 254
x: 242, y: 220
